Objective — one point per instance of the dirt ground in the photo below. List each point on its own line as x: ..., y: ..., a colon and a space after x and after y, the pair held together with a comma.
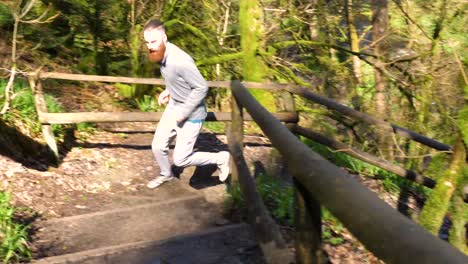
x: 117, y: 160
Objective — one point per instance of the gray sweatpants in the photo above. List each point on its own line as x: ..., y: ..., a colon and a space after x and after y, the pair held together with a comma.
x: 187, y: 134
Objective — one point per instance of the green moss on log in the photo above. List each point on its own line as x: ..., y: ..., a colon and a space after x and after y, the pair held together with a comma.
x: 459, y: 213
x: 437, y: 205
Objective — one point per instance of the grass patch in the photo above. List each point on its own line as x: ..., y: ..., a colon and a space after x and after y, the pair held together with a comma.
x: 332, y: 228
x: 86, y: 127
x: 280, y: 202
x: 13, y: 236
x: 215, y: 127
x: 278, y: 198
x: 148, y: 104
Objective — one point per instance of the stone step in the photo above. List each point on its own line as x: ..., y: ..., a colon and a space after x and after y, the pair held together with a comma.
x: 232, y: 244
x: 156, y: 220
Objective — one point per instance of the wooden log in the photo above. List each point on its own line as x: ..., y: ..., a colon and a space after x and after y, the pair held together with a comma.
x: 385, y: 232
x: 368, y: 118
x: 41, y: 109
x: 381, y: 163
x: 114, y: 117
x: 266, y: 231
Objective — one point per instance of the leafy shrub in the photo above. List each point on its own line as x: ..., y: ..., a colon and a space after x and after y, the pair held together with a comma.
x: 23, y: 109
x: 332, y: 229
x: 215, y: 127
x: 13, y: 236
x: 148, y: 104
x: 278, y: 199
x: 5, y: 15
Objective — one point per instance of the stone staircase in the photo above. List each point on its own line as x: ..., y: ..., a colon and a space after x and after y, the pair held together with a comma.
x: 170, y: 224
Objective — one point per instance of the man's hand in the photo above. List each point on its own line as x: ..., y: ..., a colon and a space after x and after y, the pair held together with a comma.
x: 179, y: 118
x: 163, y: 97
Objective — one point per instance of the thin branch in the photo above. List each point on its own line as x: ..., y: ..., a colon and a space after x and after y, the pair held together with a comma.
x: 8, y: 89
x: 27, y: 8
x: 38, y: 21
x: 284, y: 44
x: 398, y: 4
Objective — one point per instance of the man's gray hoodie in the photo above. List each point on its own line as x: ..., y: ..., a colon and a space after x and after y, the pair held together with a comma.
x: 186, y: 86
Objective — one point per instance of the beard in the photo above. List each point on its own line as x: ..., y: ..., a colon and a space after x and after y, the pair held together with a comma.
x: 157, y: 55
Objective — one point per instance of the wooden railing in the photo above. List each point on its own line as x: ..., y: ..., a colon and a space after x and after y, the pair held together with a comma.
x: 389, y: 235
x: 46, y: 118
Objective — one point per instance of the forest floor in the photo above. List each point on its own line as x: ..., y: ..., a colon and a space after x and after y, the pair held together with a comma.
x: 106, y: 164
x: 116, y: 159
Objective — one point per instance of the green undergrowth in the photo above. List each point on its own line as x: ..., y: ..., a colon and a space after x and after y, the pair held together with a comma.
x: 277, y: 197
x: 280, y: 202
x: 148, y: 104
x: 13, y: 235
x: 215, y: 127
x: 332, y: 228
x: 22, y: 108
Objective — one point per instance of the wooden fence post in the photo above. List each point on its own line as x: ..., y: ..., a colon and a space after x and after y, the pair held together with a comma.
x: 308, y: 218
x: 41, y: 108
x: 236, y: 129
x: 267, y: 233
x: 308, y: 222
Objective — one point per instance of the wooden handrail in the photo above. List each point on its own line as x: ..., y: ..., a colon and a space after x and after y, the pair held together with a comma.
x: 386, y: 165
x: 347, y: 111
x: 385, y: 232
x: 150, y: 81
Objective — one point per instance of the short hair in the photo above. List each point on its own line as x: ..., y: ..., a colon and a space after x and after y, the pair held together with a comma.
x: 153, y: 24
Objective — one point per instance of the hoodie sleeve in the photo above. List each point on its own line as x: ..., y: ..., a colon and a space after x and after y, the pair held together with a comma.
x: 198, y: 88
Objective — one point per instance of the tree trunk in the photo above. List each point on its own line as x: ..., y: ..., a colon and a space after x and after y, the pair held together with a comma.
x: 252, y: 43
x: 353, y: 40
x: 134, y: 47
x: 379, y: 33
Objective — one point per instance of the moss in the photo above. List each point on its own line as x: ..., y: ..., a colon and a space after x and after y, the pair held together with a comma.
x: 126, y: 90
x: 435, y: 208
x: 437, y: 205
x: 254, y: 67
x: 220, y: 59
x: 135, y: 51
x: 437, y: 166
x: 463, y: 118
x: 459, y: 212
x: 463, y: 123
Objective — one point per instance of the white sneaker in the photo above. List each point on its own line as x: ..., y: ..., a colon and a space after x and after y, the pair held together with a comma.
x: 158, y: 181
x: 223, y: 167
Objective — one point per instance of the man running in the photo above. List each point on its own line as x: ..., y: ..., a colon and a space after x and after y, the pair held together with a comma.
x: 185, y: 113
